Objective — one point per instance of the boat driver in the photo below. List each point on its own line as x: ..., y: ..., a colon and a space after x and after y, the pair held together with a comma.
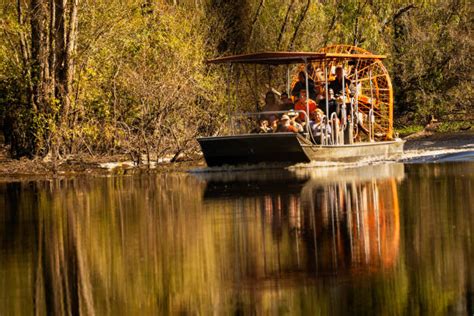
x: 301, y: 85
x: 336, y: 84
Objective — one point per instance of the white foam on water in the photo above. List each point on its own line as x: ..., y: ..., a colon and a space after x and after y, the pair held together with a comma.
x: 236, y: 168
x: 117, y: 164
x: 130, y: 164
x: 433, y: 155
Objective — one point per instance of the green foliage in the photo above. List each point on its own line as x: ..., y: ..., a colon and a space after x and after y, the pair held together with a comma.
x: 141, y: 84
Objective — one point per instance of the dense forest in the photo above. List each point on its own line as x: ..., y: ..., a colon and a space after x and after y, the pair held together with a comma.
x: 129, y: 77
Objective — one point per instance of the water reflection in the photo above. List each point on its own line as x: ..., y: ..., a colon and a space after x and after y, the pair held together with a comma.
x: 374, y: 240
x: 335, y: 222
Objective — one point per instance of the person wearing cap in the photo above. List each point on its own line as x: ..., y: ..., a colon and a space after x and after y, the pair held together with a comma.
x: 285, y: 126
x: 301, y: 85
x: 301, y: 105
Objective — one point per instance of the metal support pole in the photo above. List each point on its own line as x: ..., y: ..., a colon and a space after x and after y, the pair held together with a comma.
x: 344, y: 114
x: 355, y: 106
x: 229, y: 100
x: 269, y: 69
x: 334, y: 129
x: 255, y: 81
x: 371, y: 118
x: 288, y: 80
x: 307, y: 95
x: 327, y: 100
x: 236, y: 94
x: 327, y: 86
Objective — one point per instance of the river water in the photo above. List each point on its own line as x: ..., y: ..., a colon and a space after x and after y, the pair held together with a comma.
x: 386, y: 239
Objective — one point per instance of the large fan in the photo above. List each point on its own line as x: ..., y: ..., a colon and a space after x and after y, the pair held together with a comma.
x: 374, y: 87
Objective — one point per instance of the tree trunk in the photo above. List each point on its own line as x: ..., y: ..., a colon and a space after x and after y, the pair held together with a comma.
x: 70, y: 55
x: 39, y: 53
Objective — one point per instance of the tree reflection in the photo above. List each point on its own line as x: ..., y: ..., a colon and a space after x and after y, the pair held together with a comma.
x: 325, y: 241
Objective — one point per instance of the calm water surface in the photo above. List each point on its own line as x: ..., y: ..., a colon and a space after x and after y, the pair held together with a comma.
x: 382, y: 240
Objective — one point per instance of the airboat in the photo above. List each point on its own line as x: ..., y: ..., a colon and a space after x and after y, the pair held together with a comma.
x: 362, y: 130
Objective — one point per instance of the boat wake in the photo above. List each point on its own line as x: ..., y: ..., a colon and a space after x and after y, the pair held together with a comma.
x: 237, y: 168
x: 409, y: 157
x: 461, y: 154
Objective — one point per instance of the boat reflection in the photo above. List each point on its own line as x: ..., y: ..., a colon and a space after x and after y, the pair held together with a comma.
x: 318, y: 221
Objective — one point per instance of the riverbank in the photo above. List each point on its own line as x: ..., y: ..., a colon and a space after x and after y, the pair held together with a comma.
x: 11, y: 169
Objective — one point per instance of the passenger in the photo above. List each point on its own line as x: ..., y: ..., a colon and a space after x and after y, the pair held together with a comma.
x: 274, y: 125
x: 301, y: 105
x: 285, y: 125
x: 318, y: 128
x: 293, y: 116
x: 271, y: 104
x: 333, y: 105
x: 262, y: 127
x: 286, y: 103
x: 301, y: 85
x: 336, y: 84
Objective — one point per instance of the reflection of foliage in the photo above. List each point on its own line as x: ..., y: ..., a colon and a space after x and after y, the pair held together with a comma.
x: 149, y: 244
x: 439, y: 256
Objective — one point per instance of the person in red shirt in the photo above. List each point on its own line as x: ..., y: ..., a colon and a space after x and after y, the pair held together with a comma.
x: 301, y: 105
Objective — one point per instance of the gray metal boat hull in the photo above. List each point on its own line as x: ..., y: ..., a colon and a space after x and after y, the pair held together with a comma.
x: 288, y: 149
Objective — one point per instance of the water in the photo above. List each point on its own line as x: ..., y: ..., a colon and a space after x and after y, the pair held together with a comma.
x: 387, y: 239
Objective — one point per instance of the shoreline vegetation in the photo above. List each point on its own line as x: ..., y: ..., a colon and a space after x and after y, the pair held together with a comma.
x: 37, y: 169
x: 128, y: 78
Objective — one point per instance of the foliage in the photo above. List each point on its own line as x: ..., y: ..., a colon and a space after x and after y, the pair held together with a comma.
x: 140, y: 85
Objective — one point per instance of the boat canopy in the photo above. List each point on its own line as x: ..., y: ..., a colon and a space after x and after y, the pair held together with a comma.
x: 286, y: 58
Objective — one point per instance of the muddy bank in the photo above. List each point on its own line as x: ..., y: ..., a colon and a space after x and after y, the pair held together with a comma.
x: 32, y: 169
x: 13, y: 169
x: 430, y: 140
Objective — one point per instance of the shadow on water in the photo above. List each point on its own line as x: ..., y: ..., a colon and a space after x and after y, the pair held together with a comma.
x: 384, y: 239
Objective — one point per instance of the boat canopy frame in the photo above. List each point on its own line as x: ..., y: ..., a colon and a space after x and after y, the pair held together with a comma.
x: 290, y: 58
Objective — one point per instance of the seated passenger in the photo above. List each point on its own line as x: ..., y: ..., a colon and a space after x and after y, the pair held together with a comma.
x: 333, y: 105
x: 271, y: 104
x: 287, y: 104
x: 318, y: 128
x: 285, y: 125
x: 293, y: 116
x: 301, y: 105
x: 301, y: 85
x: 262, y: 127
x: 336, y: 84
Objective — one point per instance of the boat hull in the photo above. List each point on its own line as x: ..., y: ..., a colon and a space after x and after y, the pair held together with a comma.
x: 282, y: 148
x: 288, y: 149
x: 386, y: 150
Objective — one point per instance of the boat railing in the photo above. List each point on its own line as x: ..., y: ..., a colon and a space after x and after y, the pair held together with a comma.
x: 248, y: 122
x: 371, y: 120
x: 334, y: 129
x: 245, y: 122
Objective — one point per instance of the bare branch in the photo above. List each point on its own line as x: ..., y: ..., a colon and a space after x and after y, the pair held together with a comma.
x: 257, y: 14
x: 298, y: 25
x: 285, y: 23
x: 397, y: 14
